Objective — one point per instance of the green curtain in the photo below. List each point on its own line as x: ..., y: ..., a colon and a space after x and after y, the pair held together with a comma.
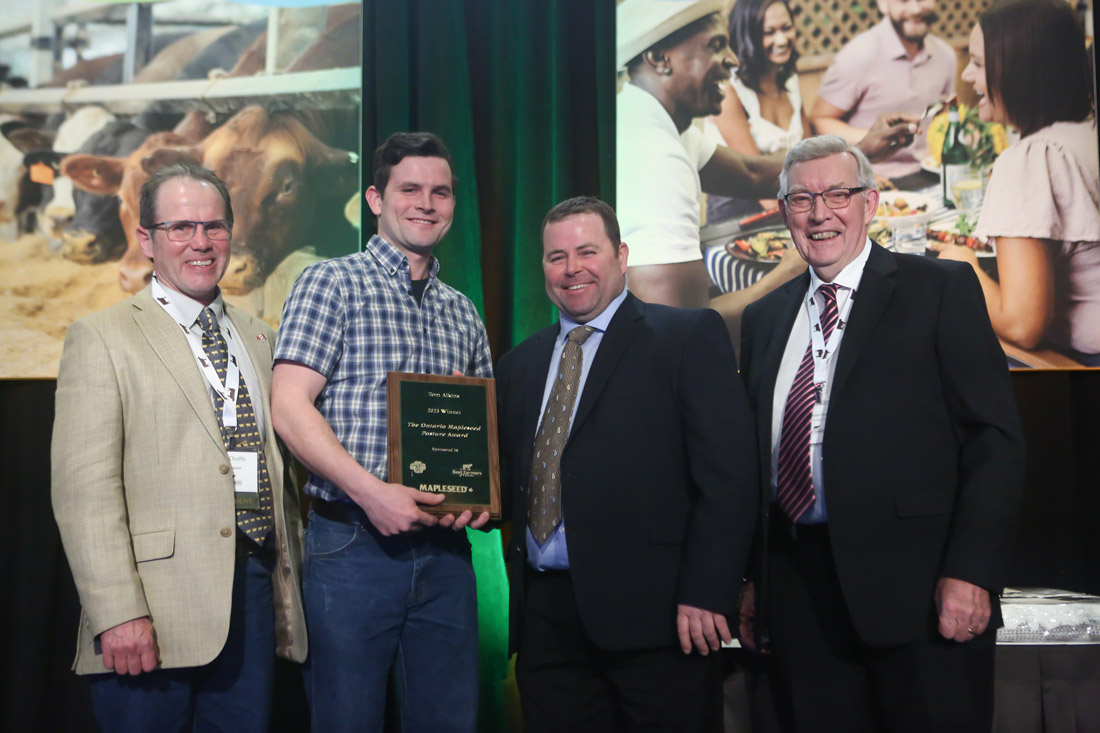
x: 522, y: 92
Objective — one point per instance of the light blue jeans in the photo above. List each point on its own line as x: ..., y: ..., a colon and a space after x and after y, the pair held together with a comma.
x: 406, y: 603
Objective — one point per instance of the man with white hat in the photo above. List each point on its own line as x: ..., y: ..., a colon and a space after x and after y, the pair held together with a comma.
x: 677, y: 55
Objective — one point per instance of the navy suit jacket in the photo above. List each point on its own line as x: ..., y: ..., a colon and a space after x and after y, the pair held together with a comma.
x: 923, y: 452
x: 658, y: 476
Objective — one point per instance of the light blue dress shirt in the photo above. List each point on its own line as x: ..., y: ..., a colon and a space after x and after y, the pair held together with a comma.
x: 554, y: 555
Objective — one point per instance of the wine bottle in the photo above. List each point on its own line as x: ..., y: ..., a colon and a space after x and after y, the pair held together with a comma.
x: 954, y: 156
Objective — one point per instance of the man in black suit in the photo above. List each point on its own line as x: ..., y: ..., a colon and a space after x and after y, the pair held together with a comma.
x: 632, y: 504
x: 892, y: 458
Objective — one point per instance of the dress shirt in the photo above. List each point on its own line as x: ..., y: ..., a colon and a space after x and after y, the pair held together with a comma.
x: 848, y: 282
x: 873, y: 74
x: 657, y: 179
x: 554, y: 555
x: 354, y: 318
x: 189, y: 311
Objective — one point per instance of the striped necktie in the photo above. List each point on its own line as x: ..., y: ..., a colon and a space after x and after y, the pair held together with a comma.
x: 794, y: 481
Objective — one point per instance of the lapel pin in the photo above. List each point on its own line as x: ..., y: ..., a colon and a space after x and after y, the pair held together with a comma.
x: 261, y: 337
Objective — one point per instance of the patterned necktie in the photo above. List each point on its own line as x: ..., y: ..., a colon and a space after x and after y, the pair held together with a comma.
x: 794, y: 482
x: 255, y: 523
x: 544, y: 505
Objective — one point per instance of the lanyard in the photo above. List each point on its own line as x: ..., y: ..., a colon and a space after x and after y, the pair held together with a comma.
x: 823, y: 352
x: 228, y: 391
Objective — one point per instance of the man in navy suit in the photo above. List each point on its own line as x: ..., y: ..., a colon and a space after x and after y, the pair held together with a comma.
x: 892, y: 461
x: 628, y: 455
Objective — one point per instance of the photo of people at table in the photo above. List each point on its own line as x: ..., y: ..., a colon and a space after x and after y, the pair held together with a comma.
x: 997, y: 97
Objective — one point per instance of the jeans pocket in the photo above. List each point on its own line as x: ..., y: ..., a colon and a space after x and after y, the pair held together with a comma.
x: 326, y: 538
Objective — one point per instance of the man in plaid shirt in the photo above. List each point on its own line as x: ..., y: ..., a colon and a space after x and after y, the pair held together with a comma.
x: 385, y: 584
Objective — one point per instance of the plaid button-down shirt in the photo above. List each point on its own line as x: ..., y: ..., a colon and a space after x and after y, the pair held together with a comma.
x: 354, y: 318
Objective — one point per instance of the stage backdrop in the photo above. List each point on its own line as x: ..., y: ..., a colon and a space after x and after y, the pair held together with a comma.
x: 823, y: 28
x: 77, y: 157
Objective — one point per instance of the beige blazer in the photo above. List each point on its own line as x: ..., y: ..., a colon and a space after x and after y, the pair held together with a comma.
x: 142, y: 489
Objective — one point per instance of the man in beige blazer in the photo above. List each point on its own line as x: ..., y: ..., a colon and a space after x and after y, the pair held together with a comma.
x: 178, y: 517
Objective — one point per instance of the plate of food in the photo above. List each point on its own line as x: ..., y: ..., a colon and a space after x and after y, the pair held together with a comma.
x: 929, y: 164
x: 766, y: 246
x: 958, y: 230
x: 897, y: 207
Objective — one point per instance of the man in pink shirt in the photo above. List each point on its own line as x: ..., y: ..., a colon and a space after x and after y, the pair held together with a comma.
x: 895, y: 67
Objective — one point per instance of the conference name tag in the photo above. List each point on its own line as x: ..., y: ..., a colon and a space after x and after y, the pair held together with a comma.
x: 246, y: 482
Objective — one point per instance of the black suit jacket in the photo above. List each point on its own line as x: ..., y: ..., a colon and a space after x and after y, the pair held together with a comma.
x: 923, y: 452
x: 658, y: 476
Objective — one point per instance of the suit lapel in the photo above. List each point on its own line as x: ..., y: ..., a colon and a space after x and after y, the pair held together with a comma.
x: 787, y: 310
x: 875, y: 287
x: 170, y: 346
x: 624, y: 325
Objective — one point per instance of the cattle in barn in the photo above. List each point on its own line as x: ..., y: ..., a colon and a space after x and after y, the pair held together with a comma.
x: 279, y: 176
x: 174, y: 58
x: 88, y: 70
x: 95, y: 233
x: 11, y: 164
x: 122, y: 177
x: 338, y: 47
x: 42, y: 148
x: 223, y: 54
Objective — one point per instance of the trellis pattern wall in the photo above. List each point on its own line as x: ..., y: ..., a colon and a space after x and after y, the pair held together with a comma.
x: 824, y: 26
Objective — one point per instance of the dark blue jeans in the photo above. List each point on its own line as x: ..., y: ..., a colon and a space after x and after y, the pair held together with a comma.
x: 232, y: 693
x: 406, y: 603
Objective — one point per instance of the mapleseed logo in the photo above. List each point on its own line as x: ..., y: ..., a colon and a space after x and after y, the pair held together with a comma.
x: 418, y: 467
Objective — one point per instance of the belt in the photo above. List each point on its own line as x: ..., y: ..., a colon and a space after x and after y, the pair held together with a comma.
x: 340, y: 511
x: 247, y: 547
x: 782, y: 525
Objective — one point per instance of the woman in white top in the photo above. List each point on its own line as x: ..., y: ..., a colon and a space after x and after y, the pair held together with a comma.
x: 765, y: 114
x: 1029, y: 66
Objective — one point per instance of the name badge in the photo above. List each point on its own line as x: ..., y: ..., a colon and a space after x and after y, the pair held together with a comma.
x: 246, y: 479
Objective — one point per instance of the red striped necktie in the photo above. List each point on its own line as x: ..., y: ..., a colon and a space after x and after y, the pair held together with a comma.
x: 794, y: 482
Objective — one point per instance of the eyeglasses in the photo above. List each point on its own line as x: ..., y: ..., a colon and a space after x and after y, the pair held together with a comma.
x: 834, y: 198
x: 217, y: 230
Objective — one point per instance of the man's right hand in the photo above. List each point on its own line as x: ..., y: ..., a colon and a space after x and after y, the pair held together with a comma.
x: 131, y: 647
x: 395, y: 508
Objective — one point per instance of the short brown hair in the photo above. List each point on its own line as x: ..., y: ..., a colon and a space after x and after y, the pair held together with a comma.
x: 586, y: 205
x: 147, y: 207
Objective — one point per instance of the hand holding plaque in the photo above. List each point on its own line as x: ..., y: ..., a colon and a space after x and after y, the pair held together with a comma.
x: 442, y: 439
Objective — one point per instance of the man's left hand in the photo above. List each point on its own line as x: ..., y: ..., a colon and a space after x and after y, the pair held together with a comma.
x: 704, y: 630
x: 963, y: 607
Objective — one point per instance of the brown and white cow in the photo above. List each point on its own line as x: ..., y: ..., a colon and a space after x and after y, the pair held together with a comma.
x: 278, y: 173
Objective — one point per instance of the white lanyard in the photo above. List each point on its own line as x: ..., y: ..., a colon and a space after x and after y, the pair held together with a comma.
x: 228, y: 391
x: 823, y: 352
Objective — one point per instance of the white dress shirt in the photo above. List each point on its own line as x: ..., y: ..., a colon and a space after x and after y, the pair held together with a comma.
x: 848, y: 282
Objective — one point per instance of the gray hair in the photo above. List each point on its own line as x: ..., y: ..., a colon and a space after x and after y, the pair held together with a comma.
x: 822, y: 146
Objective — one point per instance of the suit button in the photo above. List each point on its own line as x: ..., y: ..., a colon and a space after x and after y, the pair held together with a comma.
x: 226, y: 532
x: 224, y: 469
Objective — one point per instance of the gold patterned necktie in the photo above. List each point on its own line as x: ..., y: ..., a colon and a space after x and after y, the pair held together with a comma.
x: 544, y: 504
x: 255, y: 523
